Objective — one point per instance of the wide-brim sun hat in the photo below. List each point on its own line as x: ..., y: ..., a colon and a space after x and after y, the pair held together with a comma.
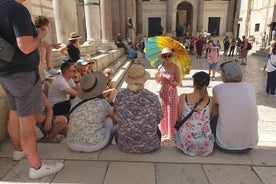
x: 92, y: 85
x: 164, y: 51
x: 272, y: 42
x: 137, y: 75
x: 74, y: 36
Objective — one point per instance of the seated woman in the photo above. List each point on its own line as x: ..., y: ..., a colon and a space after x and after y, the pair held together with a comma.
x: 110, y: 91
x: 90, y: 121
x: 50, y: 125
x: 195, y: 137
x: 139, y: 112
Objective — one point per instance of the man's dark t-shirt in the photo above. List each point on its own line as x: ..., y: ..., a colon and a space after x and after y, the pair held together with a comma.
x: 15, y: 21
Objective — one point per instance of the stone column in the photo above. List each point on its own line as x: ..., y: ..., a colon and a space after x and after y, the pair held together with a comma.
x: 230, y: 16
x: 92, y: 19
x: 115, y: 17
x: 200, y: 16
x: 169, y: 17
x: 131, y: 13
x: 122, y: 18
x: 139, y: 16
x: 65, y: 19
x: 106, y: 20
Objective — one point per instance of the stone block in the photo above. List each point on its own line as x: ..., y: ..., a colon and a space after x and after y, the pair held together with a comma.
x: 3, y: 114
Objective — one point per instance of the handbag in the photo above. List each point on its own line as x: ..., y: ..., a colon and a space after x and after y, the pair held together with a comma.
x: 179, y: 124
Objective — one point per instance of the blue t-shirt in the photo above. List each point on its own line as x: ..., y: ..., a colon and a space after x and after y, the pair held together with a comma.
x: 15, y: 21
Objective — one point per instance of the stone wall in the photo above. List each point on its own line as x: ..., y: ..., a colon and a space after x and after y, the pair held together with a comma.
x: 3, y: 114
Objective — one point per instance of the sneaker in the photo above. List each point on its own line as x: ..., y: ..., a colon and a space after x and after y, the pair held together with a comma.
x: 45, y: 170
x: 18, y: 155
x: 53, y: 71
x: 213, y: 78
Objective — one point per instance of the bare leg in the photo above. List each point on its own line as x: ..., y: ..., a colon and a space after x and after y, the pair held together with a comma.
x: 49, y: 55
x: 59, y: 127
x: 28, y: 140
x: 14, y: 130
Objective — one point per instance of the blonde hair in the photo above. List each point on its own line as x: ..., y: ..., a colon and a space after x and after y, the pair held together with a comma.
x: 135, y: 87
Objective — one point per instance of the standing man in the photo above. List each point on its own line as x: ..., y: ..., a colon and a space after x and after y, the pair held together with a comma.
x: 20, y: 79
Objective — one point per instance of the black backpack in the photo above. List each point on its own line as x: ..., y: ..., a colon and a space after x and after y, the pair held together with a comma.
x: 249, y: 46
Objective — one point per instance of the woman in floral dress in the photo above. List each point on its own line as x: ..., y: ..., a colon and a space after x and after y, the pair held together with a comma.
x: 169, y: 77
x: 195, y: 137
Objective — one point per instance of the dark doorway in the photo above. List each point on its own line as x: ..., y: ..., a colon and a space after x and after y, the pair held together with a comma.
x: 213, y: 26
x: 154, y: 26
x: 238, y: 31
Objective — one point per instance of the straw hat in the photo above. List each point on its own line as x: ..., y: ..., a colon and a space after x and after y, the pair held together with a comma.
x: 164, y: 51
x: 74, y: 36
x: 272, y: 42
x: 137, y: 75
x: 92, y: 85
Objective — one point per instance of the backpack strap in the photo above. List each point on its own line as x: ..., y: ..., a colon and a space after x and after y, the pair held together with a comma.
x: 81, y: 102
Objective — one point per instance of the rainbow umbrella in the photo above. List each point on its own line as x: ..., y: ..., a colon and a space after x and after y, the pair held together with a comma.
x: 181, y: 58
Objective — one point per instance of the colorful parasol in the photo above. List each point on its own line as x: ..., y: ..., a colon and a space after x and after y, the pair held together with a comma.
x: 154, y: 46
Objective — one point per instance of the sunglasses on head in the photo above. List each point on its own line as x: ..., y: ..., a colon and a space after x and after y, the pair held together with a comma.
x: 166, y: 56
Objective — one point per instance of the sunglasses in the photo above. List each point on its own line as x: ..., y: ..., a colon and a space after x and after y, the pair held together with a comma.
x: 166, y: 56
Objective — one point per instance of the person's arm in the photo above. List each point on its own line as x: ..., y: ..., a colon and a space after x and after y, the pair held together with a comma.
x: 49, y: 115
x: 180, y: 107
x: 71, y: 92
x: 267, y: 50
x: 28, y: 44
x: 177, y: 78
x: 63, y: 51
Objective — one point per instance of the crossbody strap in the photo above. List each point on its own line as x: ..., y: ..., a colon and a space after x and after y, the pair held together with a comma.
x: 73, y: 108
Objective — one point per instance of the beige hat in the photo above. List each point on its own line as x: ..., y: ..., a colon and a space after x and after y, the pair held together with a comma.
x: 164, y: 51
x: 92, y: 85
x: 88, y: 58
x: 272, y: 42
x: 74, y: 36
x: 137, y: 75
x: 109, y: 71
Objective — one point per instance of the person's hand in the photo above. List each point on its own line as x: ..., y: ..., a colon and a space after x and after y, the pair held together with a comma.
x: 56, y: 45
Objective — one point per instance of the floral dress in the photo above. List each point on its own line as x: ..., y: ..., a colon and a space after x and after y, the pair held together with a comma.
x: 86, y: 122
x: 195, y: 137
x: 169, y: 101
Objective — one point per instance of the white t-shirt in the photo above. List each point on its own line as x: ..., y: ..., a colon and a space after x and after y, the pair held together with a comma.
x: 56, y: 92
x: 271, y: 61
x: 237, y: 126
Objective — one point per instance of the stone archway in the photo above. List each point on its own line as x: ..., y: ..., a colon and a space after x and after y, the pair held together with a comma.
x: 184, y: 17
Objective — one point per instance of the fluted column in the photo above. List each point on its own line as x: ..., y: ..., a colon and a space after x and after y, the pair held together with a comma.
x: 106, y: 20
x: 122, y: 18
x: 230, y: 16
x: 65, y: 19
x: 92, y: 19
x: 139, y: 5
x: 169, y: 16
x: 115, y: 17
x: 200, y: 15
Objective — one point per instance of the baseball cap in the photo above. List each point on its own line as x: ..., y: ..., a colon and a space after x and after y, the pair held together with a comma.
x: 232, y: 71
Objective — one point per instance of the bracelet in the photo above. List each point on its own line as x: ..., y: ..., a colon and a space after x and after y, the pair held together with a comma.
x: 50, y: 118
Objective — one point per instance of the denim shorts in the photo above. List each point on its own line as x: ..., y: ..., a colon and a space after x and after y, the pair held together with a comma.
x: 213, y: 66
x: 24, y: 92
